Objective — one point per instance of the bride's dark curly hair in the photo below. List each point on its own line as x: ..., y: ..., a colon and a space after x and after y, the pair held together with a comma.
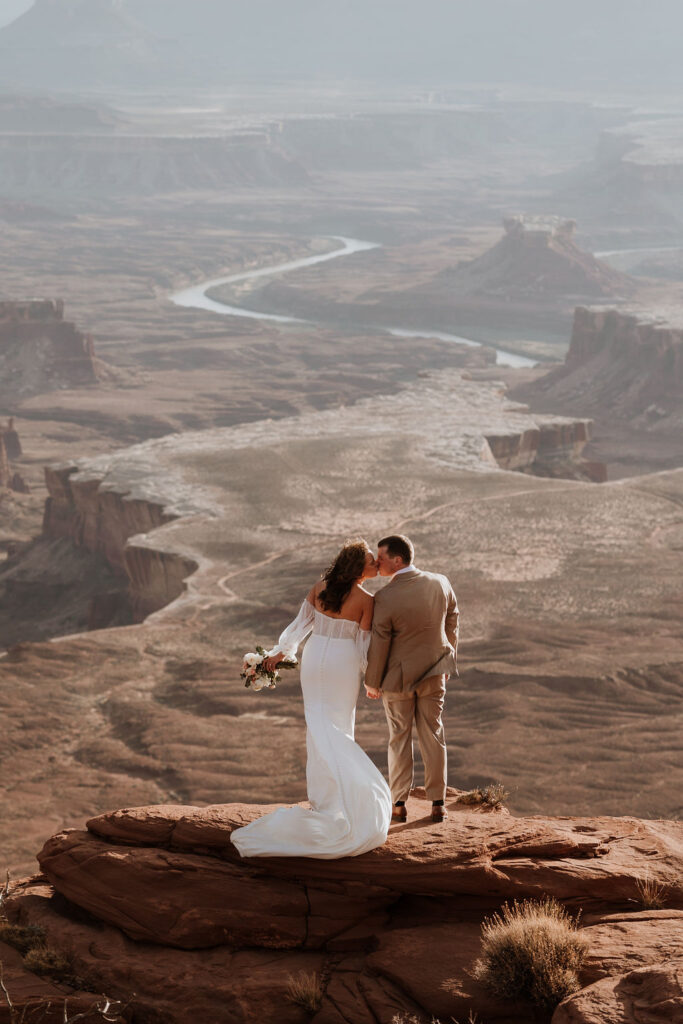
x: 346, y: 570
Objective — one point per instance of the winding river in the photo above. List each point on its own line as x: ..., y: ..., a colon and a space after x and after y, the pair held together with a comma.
x: 195, y: 297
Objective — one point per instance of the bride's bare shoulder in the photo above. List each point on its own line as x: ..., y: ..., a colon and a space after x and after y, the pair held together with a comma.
x: 365, y: 596
x: 314, y: 591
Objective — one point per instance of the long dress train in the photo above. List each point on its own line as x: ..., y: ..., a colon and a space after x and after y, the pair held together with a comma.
x: 350, y: 800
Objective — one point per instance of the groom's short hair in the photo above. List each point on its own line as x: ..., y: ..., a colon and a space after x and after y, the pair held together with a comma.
x: 398, y: 546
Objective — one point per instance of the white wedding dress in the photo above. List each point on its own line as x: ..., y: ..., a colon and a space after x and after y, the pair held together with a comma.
x: 350, y: 801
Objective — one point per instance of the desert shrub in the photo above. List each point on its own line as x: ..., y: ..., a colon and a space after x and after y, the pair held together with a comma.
x: 651, y: 894
x: 531, y: 950
x: 22, y: 938
x: 494, y: 795
x: 410, y: 1018
x: 49, y: 962
x: 306, y: 990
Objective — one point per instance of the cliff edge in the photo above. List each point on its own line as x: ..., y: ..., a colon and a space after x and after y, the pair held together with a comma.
x: 623, y: 362
x: 155, y: 901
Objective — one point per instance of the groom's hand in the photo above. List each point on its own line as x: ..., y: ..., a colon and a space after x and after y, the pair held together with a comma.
x: 373, y: 692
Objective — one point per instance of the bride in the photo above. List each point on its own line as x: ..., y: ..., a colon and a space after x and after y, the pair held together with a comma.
x: 350, y: 801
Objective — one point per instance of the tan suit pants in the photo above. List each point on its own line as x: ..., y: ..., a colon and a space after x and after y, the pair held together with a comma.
x: 424, y: 707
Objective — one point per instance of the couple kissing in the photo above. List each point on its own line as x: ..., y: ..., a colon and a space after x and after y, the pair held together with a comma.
x: 404, y: 642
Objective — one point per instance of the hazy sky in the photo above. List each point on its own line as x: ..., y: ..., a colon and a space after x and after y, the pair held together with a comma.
x: 11, y: 9
x: 606, y: 45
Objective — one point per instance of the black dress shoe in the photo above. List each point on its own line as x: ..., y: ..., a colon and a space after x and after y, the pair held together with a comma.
x: 399, y: 813
x: 439, y: 813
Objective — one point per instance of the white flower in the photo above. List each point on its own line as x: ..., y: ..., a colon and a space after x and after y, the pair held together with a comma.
x: 250, y: 660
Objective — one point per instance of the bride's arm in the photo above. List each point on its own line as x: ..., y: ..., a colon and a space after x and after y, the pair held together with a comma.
x: 365, y: 632
x: 293, y: 634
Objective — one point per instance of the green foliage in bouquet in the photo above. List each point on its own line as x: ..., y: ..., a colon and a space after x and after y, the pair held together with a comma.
x: 257, y: 676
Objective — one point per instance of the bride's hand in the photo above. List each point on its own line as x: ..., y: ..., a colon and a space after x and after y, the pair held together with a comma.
x: 373, y: 692
x: 273, y: 661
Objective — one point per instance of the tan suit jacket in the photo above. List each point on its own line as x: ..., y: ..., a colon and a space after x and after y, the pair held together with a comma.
x: 414, y: 632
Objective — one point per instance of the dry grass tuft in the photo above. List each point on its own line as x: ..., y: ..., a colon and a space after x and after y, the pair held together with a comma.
x: 109, y: 1011
x: 48, y: 962
x: 22, y: 938
x: 494, y: 795
x: 410, y: 1018
x: 306, y: 990
x: 531, y: 950
x: 651, y: 894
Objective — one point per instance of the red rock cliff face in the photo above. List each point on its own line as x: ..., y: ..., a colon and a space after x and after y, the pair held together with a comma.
x: 102, y: 521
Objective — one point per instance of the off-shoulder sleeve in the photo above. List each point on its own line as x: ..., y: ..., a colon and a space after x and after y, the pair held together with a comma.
x: 362, y: 644
x: 295, y: 632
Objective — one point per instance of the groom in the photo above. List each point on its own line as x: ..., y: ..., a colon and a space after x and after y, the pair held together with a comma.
x: 412, y: 652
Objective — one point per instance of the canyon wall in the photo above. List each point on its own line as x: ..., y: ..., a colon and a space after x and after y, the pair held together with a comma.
x: 634, y: 183
x: 75, y: 165
x: 387, y: 141
x: 5, y: 472
x: 652, y: 348
x: 40, y: 350
x: 10, y: 449
x: 102, y: 521
x: 552, y: 449
x: 623, y: 363
x: 277, y: 152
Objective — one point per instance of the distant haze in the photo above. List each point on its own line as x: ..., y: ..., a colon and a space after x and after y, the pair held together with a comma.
x: 11, y: 9
x: 608, y: 46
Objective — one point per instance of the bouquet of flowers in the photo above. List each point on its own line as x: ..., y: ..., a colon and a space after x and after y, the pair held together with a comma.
x: 255, y: 674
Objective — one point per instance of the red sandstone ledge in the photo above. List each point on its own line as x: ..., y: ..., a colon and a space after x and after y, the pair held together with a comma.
x: 154, y: 872
x: 176, y: 916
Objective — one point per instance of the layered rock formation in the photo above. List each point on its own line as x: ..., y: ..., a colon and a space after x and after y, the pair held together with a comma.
x: 33, y: 166
x: 175, y: 916
x: 531, y: 278
x: 625, y: 364
x: 536, y: 257
x: 632, y: 189
x: 10, y: 449
x: 10, y: 439
x: 102, y: 520
x: 548, y: 449
x: 40, y: 351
